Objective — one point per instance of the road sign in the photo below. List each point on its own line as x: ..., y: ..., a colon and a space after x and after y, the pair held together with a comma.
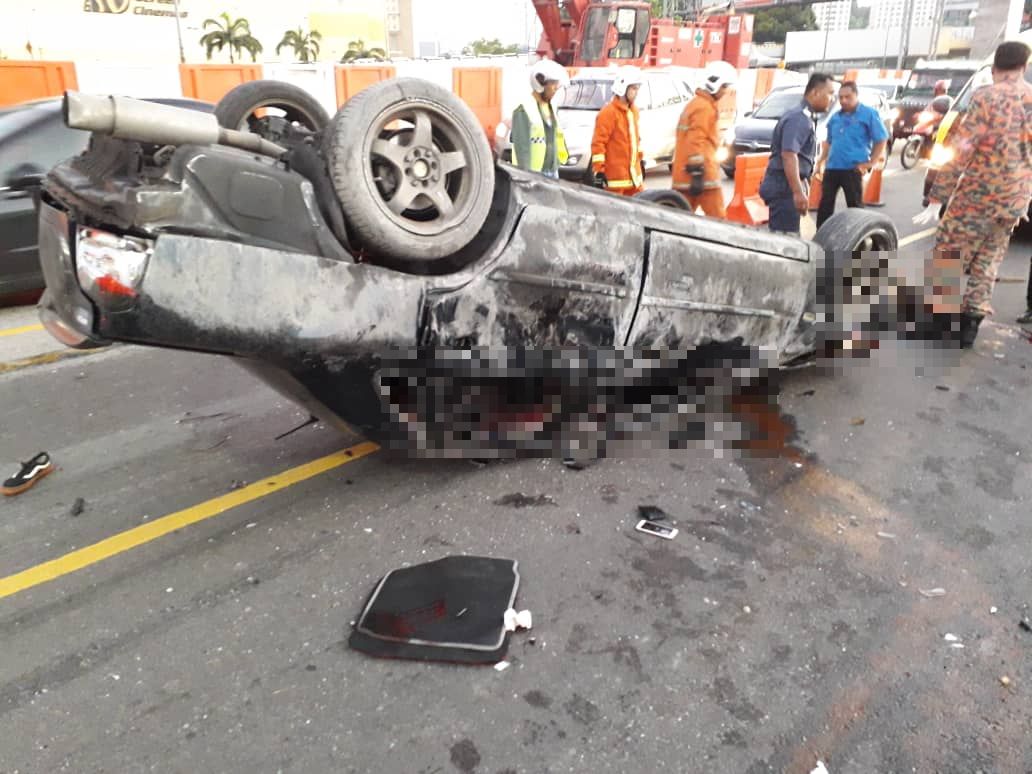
x: 698, y: 38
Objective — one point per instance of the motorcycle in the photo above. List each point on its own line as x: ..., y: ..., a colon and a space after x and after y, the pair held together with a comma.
x: 919, y: 144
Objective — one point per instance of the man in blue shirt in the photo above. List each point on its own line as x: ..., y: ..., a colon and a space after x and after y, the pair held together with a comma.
x: 855, y: 145
x: 793, y: 150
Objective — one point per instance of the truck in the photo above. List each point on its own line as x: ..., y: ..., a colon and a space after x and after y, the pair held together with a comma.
x: 599, y: 33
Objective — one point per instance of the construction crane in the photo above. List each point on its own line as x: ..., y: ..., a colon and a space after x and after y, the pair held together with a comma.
x: 598, y: 33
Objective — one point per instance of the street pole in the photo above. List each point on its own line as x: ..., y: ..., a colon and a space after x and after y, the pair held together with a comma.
x: 179, y: 32
x: 904, y: 39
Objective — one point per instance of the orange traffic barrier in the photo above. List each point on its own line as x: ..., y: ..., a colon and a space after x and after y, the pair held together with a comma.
x: 872, y: 191
x: 351, y: 79
x: 746, y: 205
x: 481, y: 89
x: 21, y: 81
x: 210, y: 83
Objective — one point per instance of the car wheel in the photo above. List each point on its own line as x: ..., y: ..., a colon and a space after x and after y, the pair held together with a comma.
x: 412, y: 169
x: 278, y: 112
x: 665, y: 197
x: 854, y: 277
x: 911, y: 152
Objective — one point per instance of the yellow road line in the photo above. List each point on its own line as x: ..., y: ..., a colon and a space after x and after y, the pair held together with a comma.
x: 916, y: 237
x: 22, y: 329
x: 45, y: 358
x: 145, y: 533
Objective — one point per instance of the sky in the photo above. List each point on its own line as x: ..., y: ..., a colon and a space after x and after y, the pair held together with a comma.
x: 456, y: 23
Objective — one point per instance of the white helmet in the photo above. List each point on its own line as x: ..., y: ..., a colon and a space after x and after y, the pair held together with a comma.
x: 548, y: 70
x: 718, y: 74
x: 627, y: 76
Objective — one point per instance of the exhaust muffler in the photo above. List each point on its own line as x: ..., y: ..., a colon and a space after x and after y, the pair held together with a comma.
x: 133, y: 119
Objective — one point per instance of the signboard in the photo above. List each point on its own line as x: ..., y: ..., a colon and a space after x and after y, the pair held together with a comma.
x: 134, y: 7
x: 734, y: 25
x: 715, y: 38
x: 698, y: 39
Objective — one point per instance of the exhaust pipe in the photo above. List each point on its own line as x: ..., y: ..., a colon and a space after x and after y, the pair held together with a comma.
x: 133, y: 119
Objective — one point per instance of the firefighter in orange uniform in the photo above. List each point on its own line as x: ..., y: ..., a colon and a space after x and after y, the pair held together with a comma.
x: 617, y: 161
x: 696, y: 171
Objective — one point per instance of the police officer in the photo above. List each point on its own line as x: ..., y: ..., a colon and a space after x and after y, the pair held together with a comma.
x: 793, y: 150
x: 537, y: 140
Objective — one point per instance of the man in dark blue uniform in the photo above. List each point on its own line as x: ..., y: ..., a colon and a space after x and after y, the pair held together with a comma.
x: 855, y: 145
x: 786, y: 184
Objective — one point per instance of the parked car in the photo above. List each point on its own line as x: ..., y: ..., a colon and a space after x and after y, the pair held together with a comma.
x: 920, y: 90
x: 753, y: 132
x: 33, y: 137
x: 352, y: 261
x: 660, y: 101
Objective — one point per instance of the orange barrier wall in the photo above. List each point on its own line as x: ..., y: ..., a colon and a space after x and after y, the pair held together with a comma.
x: 746, y: 205
x: 481, y: 89
x: 351, y: 79
x: 21, y: 81
x: 211, y: 82
x: 764, y: 83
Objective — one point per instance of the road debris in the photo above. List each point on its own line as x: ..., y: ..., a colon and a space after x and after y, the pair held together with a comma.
x: 1025, y: 625
x: 807, y: 393
x: 452, y: 609
x: 820, y: 768
x: 77, y: 507
x: 657, y: 530
x: 942, y: 388
x: 931, y: 593
x: 234, y: 485
x: 652, y: 513
x: 514, y: 621
x: 951, y: 637
x: 501, y: 666
x: 29, y: 475
x: 857, y: 421
x: 520, y: 500
x: 993, y: 610
x: 886, y: 535
x: 1005, y: 681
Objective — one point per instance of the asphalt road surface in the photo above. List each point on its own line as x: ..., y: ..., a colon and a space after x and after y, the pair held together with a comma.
x: 194, y: 616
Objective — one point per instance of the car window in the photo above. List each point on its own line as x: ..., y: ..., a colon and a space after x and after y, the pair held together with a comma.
x: 43, y: 142
x: 663, y: 92
x: 922, y: 82
x: 683, y: 90
x: 587, y: 95
x: 777, y: 103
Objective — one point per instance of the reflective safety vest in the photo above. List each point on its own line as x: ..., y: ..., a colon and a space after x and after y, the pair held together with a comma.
x: 539, y: 137
x: 616, y: 146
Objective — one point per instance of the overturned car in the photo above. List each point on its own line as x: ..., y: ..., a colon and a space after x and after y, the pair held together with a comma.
x: 380, y: 269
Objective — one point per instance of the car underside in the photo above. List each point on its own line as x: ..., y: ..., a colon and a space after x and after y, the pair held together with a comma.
x: 385, y: 274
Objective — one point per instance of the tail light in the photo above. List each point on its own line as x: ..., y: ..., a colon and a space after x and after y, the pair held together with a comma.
x: 110, y: 267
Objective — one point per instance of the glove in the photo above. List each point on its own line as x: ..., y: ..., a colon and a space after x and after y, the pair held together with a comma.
x: 929, y: 214
x: 697, y: 186
x: 600, y: 180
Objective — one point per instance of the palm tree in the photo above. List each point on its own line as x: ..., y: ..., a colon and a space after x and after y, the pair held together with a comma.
x: 234, y: 33
x: 306, y: 47
x: 357, y: 50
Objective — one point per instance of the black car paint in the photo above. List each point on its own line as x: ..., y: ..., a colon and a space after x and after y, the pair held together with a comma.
x: 311, y: 321
x: 42, y: 141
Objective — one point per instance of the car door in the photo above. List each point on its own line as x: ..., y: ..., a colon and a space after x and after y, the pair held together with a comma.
x: 30, y: 135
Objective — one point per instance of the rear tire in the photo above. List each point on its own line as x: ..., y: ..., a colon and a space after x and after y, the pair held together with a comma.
x: 412, y: 169
x: 665, y: 197
x: 287, y: 111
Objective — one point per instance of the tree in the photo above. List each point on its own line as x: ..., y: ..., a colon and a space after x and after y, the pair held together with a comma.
x: 232, y: 33
x: 306, y: 46
x: 771, y: 25
x: 357, y: 50
x: 484, y: 47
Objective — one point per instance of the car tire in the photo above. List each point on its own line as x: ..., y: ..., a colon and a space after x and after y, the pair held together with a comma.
x: 665, y: 197
x: 855, y: 272
x: 418, y: 193
x: 301, y: 112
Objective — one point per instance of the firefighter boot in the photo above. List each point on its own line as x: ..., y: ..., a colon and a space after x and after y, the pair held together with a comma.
x: 969, y: 329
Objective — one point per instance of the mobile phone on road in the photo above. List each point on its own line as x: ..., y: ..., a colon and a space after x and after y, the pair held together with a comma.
x: 659, y: 530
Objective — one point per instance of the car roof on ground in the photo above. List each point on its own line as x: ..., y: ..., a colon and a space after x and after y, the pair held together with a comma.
x: 55, y: 103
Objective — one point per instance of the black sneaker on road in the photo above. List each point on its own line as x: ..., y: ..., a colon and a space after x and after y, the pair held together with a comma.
x: 1026, y: 318
x: 31, y: 472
